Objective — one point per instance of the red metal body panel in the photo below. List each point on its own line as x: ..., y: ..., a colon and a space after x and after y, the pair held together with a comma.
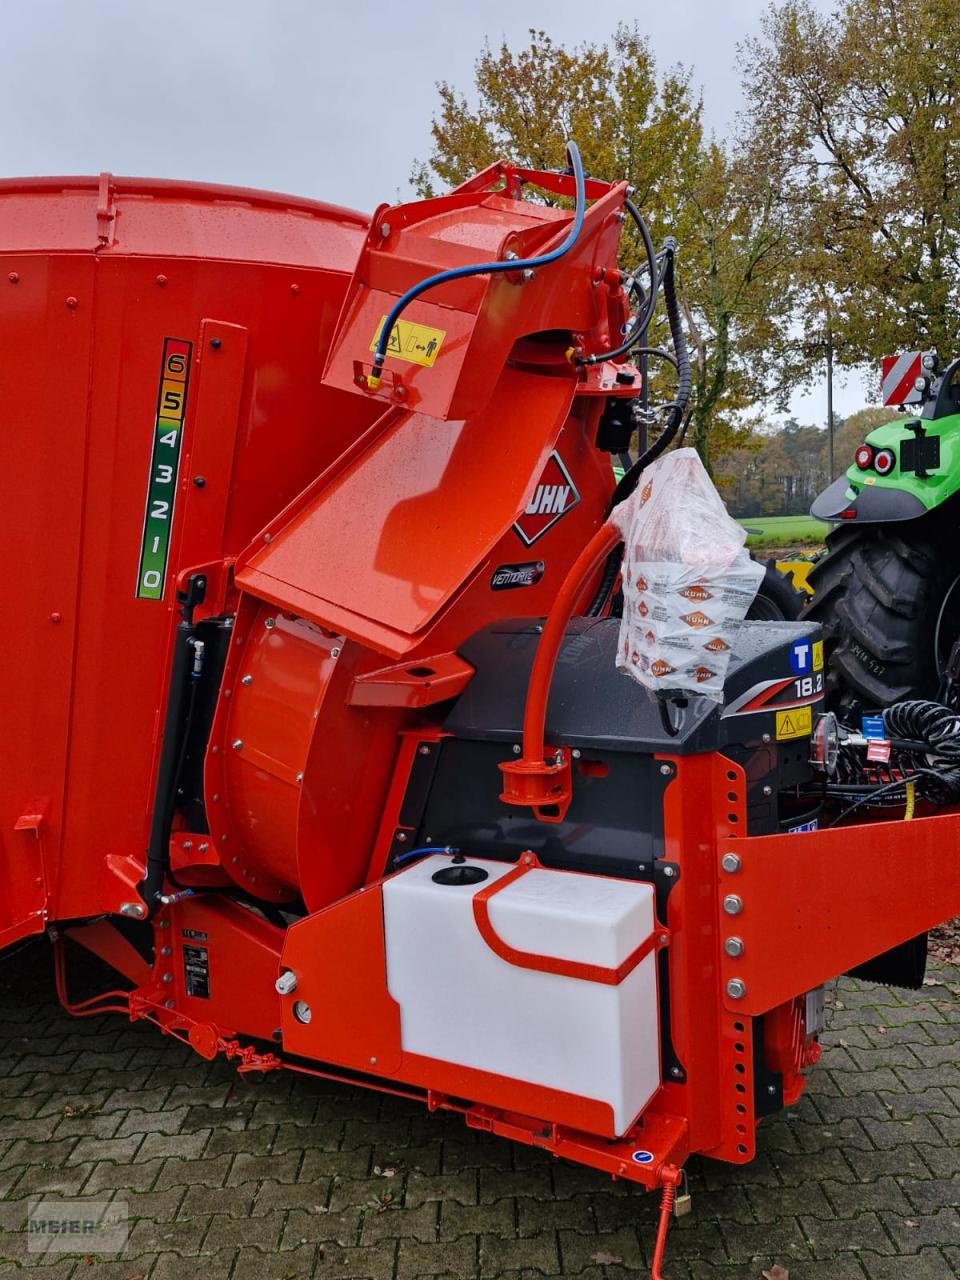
x: 82, y: 327
x: 836, y: 891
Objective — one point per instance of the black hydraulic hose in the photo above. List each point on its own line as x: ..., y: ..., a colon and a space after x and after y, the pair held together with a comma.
x: 645, y: 315
x: 486, y: 268
x: 675, y: 414
x: 179, y: 700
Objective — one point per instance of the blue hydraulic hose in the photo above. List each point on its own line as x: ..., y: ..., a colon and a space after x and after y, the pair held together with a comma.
x: 420, y: 853
x: 484, y: 268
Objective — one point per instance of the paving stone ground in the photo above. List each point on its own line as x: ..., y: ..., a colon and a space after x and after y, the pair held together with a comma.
x: 291, y: 1178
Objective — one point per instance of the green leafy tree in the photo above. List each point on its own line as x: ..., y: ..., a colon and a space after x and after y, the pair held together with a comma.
x: 632, y: 121
x: 863, y: 106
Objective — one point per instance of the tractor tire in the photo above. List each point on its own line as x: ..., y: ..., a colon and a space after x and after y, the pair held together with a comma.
x: 889, y: 604
x: 777, y: 600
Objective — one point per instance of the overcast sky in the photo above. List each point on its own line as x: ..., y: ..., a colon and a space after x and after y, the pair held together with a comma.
x: 331, y: 100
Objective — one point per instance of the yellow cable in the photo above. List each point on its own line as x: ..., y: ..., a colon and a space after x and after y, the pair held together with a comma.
x: 911, y: 790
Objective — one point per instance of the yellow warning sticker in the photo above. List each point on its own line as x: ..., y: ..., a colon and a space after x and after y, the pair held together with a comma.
x: 416, y: 343
x: 818, y: 655
x: 796, y: 723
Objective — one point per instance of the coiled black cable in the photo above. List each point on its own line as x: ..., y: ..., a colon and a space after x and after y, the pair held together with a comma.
x: 938, y: 728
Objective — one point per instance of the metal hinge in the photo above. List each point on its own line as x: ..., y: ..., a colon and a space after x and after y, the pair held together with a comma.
x: 106, y: 212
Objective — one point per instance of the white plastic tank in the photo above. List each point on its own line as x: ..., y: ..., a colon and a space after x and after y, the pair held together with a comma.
x: 460, y: 1002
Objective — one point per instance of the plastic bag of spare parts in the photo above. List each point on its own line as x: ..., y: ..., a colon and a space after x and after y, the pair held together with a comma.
x: 688, y: 579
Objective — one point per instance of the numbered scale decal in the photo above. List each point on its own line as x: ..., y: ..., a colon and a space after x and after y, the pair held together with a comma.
x: 164, y: 468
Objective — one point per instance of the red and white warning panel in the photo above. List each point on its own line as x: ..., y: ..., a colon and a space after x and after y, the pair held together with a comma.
x: 543, y: 976
x: 903, y: 380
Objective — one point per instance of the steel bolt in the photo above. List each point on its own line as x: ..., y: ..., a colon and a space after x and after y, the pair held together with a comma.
x: 401, y: 837
x: 765, y: 738
x: 237, y: 744
x: 731, y: 862
x: 669, y: 872
x: 424, y: 750
x: 736, y: 989
x: 527, y: 273
x: 216, y: 343
x: 677, y: 1073
x: 335, y: 651
x: 14, y: 277
x: 135, y: 909
x: 269, y: 623
x: 385, y: 229
x: 161, y: 280
x: 188, y: 844
x: 165, y: 951
x: 771, y: 1089
x: 168, y: 977
x: 203, y: 846
x: 299, y: 777
x: 246, y: 679
x: 72, y: 304
x: 732, y: 904
x: 575, y: 753
x: 666, y: 770
x: 733, y: 947
x: 510, y: 256
x: 768, y: 791
x: 286, y: 984
x: 163, y: 924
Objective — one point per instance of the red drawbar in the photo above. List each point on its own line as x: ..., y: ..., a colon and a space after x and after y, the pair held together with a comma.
x: 550, y: 964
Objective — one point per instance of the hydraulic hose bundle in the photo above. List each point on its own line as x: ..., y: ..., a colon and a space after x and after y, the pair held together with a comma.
x: 674, y: 411
x: 920, y: 760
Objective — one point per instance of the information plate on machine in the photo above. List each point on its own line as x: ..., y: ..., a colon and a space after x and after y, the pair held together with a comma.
x: 164, y: 468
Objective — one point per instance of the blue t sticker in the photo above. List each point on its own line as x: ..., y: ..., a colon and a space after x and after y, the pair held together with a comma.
x: 872, y: 727
x: 643, y: 1157
x: 801, y: 657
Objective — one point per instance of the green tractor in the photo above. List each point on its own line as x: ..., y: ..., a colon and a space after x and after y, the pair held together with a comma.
x: 887, y: 591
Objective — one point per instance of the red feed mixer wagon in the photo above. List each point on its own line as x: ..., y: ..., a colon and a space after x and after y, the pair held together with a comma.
x: 312, y: 726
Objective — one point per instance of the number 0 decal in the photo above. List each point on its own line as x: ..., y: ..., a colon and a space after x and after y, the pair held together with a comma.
x: 164, y: 468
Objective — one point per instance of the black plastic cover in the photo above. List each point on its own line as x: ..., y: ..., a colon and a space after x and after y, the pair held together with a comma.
x: 592, y: 704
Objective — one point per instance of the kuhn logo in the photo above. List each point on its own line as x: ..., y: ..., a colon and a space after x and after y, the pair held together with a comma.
x: 661, y: 668
x: 696, y: 619
x: 642, y: 584
x: 716, y: 645
x: 703, y: 673
x: 554, y: 496
x: 697, y: 592
x: 642, y: 609
x: 508, y: 576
